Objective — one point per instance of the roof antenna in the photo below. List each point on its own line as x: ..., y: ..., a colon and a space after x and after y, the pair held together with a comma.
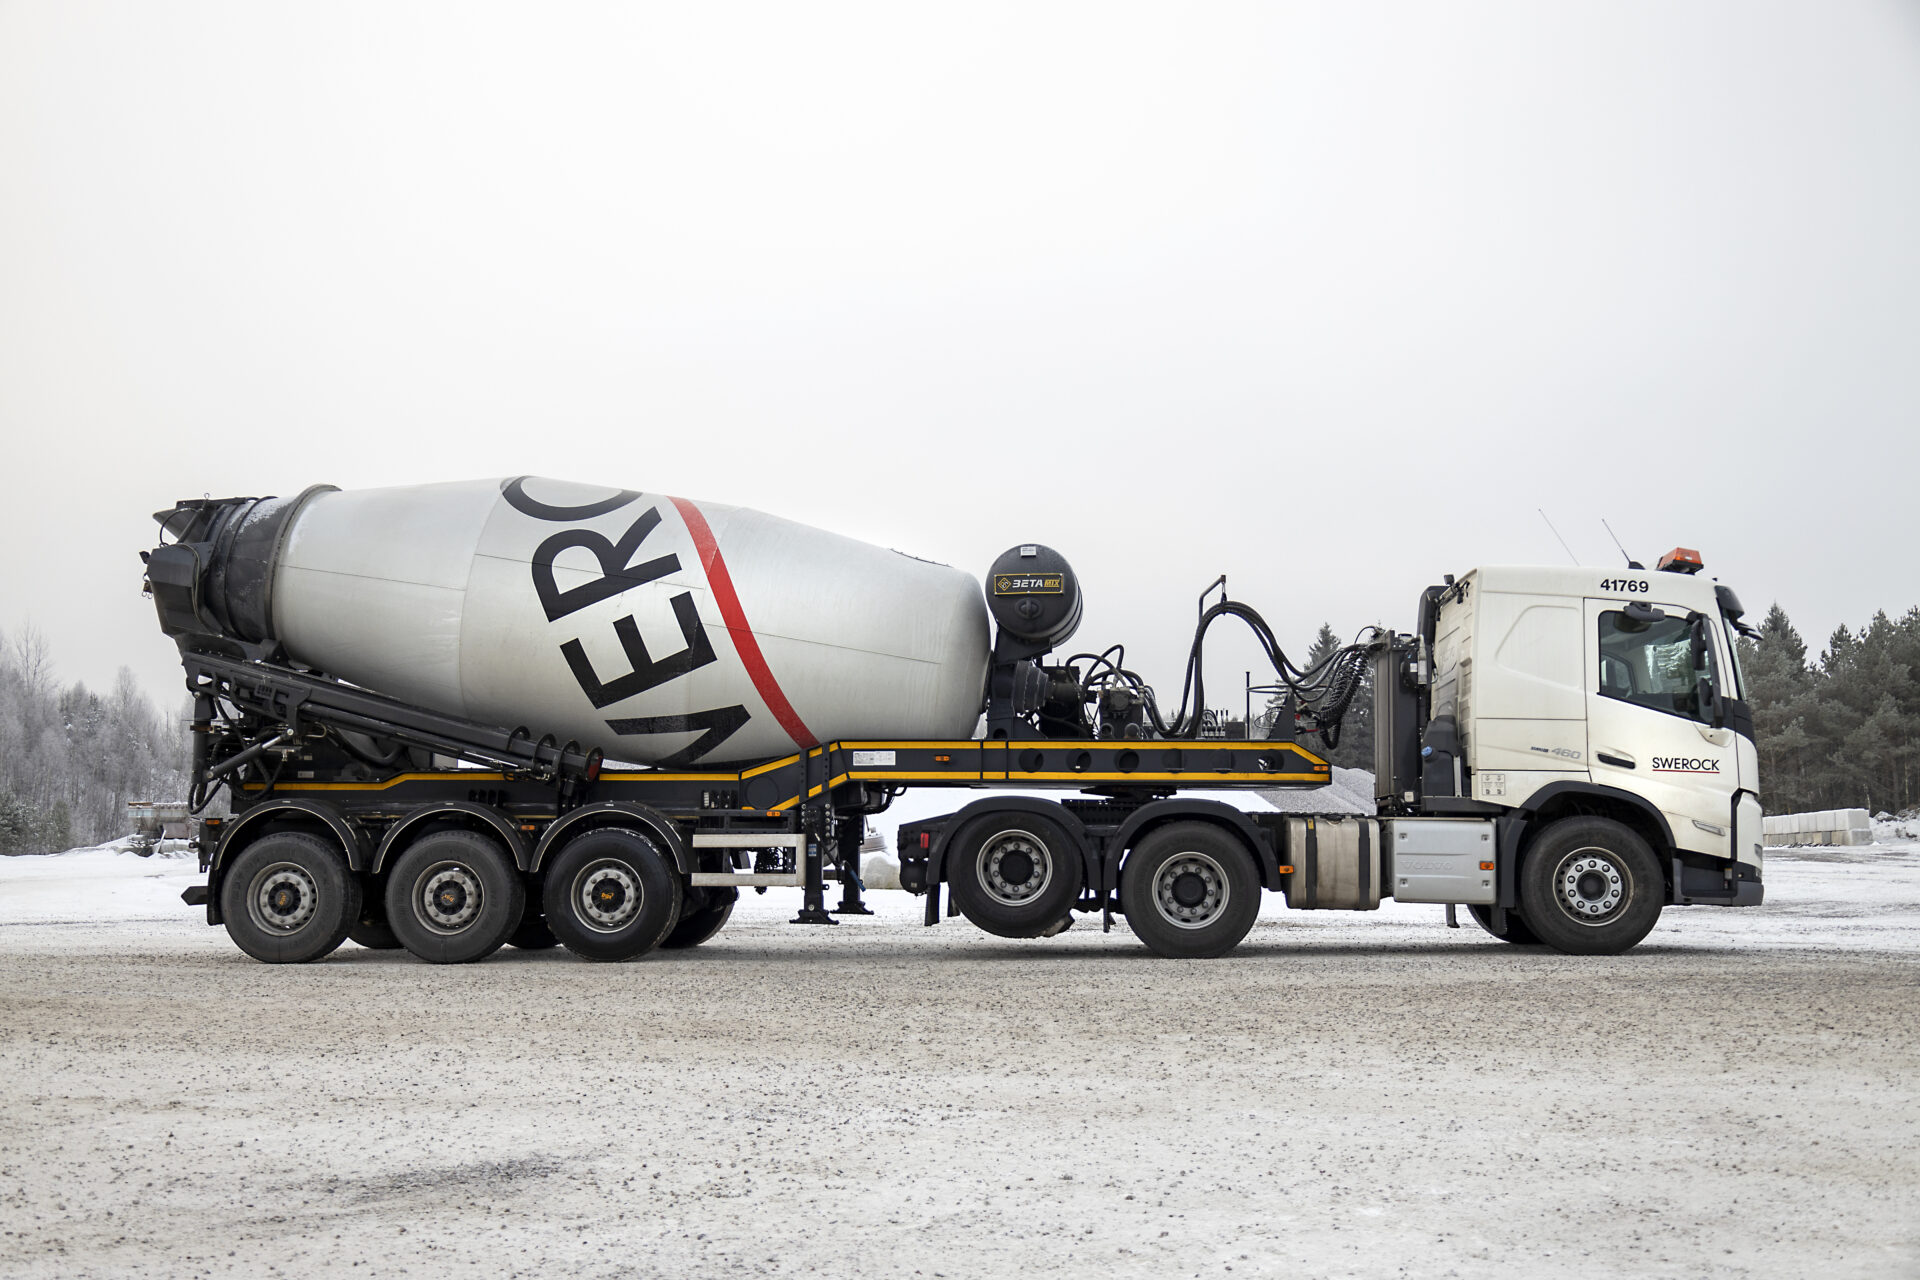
x: 1556, y: 534
x: 1631, y: 562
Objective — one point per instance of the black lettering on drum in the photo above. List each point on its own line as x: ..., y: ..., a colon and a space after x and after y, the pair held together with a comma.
x: 714, y: 725
x: 719, y: 724
x: 515, y: 492
x: 648, y: 672
x: 616, y: 573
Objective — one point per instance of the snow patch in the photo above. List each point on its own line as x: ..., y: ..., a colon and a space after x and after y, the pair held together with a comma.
x: 1888, y: 829
x: 105, y: 882
x: 1351, y: 791
x: 880, y: 871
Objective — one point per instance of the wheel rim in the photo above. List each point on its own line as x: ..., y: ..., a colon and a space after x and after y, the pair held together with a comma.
x: 282, y: 898
x: 1190, y: 891
x: 1592, y: 886
x: 447, y: 897
x: 608, y: 895
x: 1015, y: 867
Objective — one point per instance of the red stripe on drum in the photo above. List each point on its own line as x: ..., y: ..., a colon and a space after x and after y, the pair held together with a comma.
x: 744, y: 642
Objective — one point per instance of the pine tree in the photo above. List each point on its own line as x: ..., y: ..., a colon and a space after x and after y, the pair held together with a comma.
x: 1846, y: 731
x: 1779, y: 688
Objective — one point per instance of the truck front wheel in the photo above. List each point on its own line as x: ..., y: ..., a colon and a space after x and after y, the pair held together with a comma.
x: 611, y: 895
x: 289, y: 898
x: 1190, y: 890
x: 1016, y: 875
x: 1590, y: 887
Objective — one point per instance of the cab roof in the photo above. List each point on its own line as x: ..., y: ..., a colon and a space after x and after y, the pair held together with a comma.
x: 1694, y: 591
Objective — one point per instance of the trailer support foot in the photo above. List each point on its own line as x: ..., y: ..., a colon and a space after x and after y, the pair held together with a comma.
x: 813, y: 907
x: 849, y: 834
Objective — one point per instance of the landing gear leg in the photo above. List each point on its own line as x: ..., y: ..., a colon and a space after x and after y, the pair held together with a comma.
x: 813, y: 907
x: 851, y: 830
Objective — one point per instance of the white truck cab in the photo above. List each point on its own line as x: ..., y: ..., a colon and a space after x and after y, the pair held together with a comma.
x: 1598, y: 718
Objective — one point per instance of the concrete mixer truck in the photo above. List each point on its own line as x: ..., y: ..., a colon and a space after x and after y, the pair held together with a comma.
x: 518, y: 712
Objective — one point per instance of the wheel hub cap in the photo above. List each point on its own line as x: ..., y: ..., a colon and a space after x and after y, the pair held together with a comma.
x: 1590, y: 886
x: 1015, y: 868
x: 1191, y: 890
x: 283, y: 899
x: 609, y: 896
x: 450, y: 897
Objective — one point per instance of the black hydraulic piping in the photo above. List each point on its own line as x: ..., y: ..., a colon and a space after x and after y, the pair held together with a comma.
x: 285, y: 695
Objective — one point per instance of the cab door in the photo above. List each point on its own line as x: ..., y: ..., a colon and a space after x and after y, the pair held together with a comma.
x: 1650, y: 727
x: 1749, y: 839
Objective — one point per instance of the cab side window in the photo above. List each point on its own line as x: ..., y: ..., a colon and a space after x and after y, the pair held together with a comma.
x: 1650, y: 664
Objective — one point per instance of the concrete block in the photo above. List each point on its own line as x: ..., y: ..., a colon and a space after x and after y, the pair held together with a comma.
x: 1823, y: 827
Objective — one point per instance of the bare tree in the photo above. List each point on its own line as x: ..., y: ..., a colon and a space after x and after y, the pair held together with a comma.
x: 70, y: 759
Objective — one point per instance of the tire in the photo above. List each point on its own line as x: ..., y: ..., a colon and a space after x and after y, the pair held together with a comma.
x: 1517, y: 932
x: 371, y: 930
x: 1016, y: 875
x: 532, y: 934
x: 1590, y: 887
x: 454, y: 897
x: 696, y: 926
x: 612, y: 895
x: 289, y: 898
x: 1190, y: 890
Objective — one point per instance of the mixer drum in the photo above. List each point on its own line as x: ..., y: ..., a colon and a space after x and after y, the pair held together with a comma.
x: 663, y: 630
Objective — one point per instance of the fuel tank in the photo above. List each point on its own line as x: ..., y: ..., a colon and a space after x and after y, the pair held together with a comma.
x: 663, y: 630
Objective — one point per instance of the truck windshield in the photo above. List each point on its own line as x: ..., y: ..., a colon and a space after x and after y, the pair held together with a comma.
x: 1650, y: 664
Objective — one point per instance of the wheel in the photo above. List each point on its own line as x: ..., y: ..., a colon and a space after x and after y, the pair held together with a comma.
x: 696, y: 925
x: 371, y: 930
x: 1016, y: 875
x: 612, y: 894
x: 454, y: 897
x: 1517, y: 932
x: 533, y: 934
x: 1590, y: 887
x: 1190, y: 890
x: 289, y: 898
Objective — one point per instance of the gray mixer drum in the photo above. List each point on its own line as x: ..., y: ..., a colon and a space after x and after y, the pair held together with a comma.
x: 660, y: 629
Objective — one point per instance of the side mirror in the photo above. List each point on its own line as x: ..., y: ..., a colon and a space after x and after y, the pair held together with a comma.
x: 1706, y: 692
x: 1709, y: 696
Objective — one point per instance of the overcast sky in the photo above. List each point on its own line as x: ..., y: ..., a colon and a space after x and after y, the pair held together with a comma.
x: 1330, y: 298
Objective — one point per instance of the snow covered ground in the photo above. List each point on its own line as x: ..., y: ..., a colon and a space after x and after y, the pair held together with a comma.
x: 108, y: 883
x: 1345, y: 1095
x: 1855, y: 899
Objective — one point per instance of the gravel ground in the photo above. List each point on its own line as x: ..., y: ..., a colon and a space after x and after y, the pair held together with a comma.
x: 1372, y: 1096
